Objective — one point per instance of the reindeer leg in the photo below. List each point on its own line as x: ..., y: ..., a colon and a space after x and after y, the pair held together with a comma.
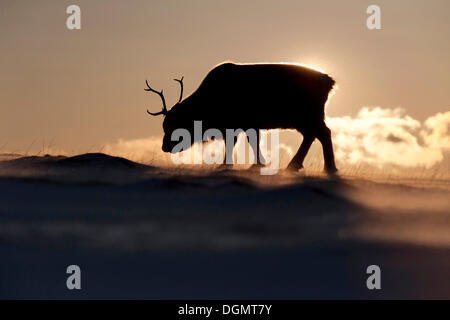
x: 297, y: 162
x: 259, y: 158
x: 228, y: 156
x: 324, y: 136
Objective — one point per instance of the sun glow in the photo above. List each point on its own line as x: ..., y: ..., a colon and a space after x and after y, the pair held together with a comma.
x: 309, y: 66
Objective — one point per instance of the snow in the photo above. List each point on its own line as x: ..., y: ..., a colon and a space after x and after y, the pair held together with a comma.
x: 139, y: 231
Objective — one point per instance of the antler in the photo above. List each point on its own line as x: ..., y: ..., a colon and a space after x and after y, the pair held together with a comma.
x: 180, y: 81
x: 161, y: 95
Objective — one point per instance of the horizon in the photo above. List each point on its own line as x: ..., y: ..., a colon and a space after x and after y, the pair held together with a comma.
x: 77, y: 91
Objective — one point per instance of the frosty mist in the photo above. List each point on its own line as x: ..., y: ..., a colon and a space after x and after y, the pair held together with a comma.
x: 389, y: 136
x: 375, y: 136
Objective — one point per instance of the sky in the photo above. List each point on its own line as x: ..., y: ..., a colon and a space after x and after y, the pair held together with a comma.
x: 79, y: 90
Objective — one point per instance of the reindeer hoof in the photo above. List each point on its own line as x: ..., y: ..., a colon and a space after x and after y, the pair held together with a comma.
x: 331, y: 171
x: 292, y: 167
x: 256, y: 166
x: 225, y: 166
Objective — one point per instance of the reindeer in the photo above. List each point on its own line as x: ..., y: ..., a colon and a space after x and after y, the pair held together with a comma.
x: 258, y: 96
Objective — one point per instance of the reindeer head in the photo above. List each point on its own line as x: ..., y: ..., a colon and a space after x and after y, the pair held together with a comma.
x: 172, y: 120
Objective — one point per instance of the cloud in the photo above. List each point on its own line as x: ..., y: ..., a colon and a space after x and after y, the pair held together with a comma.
x: 437, y: 130
x: 146, y: 150
x: 382, y: 137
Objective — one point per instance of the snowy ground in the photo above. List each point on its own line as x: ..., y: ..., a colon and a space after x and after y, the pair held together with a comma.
x: 139, y: 231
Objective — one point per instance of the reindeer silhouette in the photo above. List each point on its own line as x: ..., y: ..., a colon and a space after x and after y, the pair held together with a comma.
x: 258, y: 96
